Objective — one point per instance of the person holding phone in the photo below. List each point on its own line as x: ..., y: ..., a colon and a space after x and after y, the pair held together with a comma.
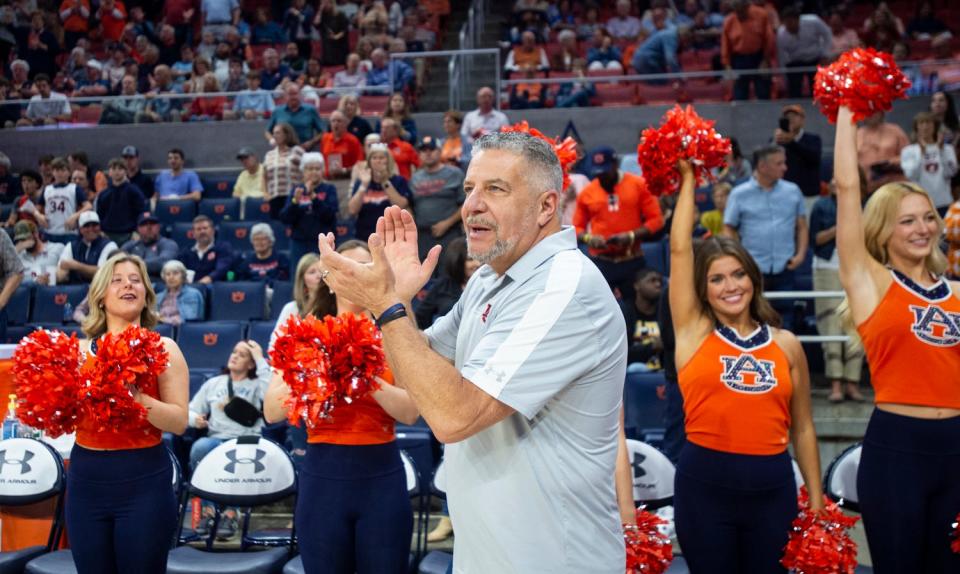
x: 802, y: 150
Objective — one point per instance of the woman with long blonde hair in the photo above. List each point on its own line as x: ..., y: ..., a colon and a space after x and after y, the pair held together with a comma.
x: 906, y: 312
x: 121, y: 512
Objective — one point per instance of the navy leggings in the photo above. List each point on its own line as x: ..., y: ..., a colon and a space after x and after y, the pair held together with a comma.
x: 733, y: 511
x: 909, y: 490
x: 353, y: 511
x: 121, y: 510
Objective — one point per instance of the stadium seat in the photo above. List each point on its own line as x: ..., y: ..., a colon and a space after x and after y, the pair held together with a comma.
x: 15, y: 333
x: 237, y: 300
x: 50, y: 302
x: 841, y: 479
x: 218, y: 186
x: 237, y: 234
x: 200, y: 376
x: 221, y: 209
x: 644, y: 405
x: 170, y: 211
x: 656, y: 256
x: 5, y: 210
x: 616, y: 94
x: 373, y: 105
x: 165, y: 330
x: 42, y: 479
x: 656, y: 94
x: 282, y: 234
x: 87, y: 114
x: 260, y: 332
x: 705, y: 91
x: 18, y: 308
x: 208, y: 345
x: 345, y: 230
x: 282, y: 294
x: 182, y: 234
x: 214, y: 480
x: 256, y: 209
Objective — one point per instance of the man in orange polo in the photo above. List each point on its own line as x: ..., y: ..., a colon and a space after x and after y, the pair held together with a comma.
x: 403, y: 153
x: 615, y: 213
x: 748, y: 43
x: 341, y: 149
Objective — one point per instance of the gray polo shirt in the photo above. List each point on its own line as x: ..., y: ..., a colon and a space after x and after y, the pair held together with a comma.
x: 535, y: 492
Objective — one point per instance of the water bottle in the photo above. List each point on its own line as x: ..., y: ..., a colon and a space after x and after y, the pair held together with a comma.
x: 68, y: 313
x: 11, y: 426
x: 231, y: 275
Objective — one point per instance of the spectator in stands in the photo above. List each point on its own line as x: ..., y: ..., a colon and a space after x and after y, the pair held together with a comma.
x: 131, y: 157
x: 11, y: 273
x: 379, y: 185
x: 92, y: 84
x: 437, y: 197
x: 39, y: 258
x: 178, y: 302
x: 207, y: 258
x: 803, y: 41
x: 235, y: 79
x: 281, y: 167
x: 567, y: 52
x: 644, y: 346
x: 274, y: 71
x: 614, y: 214
x: 803, y: 150
x: 9, y: 113
x: 883, y: 28
x: 929, y: 162
x: 127, y: 108
x: 603, y: 54
x: 45, y: 167
x: 39, y: 46
x: 182, y: 69
x: 177, y: 182
x: 207, y: 108
x: 484, y: 119
x: 712, y: 220
x: 265, y: 30
x: 295, y: 62
x: 112, y: 16
x: 945, y: 111
x: 252, y: 103
x: 162, y: 103
x: 842, y: 361
x: 925, y: 23
x: 119, y: 204
x: 21, y: 87
x: 334, y: 27
x: 879, y: 144
x: 452, y: 150
x: 844, y: 37
x: 9, y: 186
x: 624, y: 26
x: 341, y: 149
x: 218, y: 15
x: 151, y: 247
x: 382, y: 71
x: 404, y: 154
x: 47, y: 107
x: 303, y: 118
x: 168, y: 46
x: 588, y: 24
x: 399, y: 110
x: 657, y: 18
x: 312, y: 209
x: 264, y: 263
x: 82, y: 256
x: 25, y: 207
x: 115, y: 68
x: 768, y: 216
x: 351, y: 76
x: 349, y: 106
x: 530, y: 94
x: 194, y: 84
x: 737, y: 169
x: 75, y: 15
x: 748, y: 43
x: 658, y: 53
x: 315, y: 77
x: 63, y: 203
x: 250, y: 182
x: 456, y: 269
x: 79, y: 178
x: 527, y: 55
x: 298, y: 24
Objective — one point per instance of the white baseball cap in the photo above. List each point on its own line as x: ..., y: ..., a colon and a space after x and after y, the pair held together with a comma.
x: 88, y: 217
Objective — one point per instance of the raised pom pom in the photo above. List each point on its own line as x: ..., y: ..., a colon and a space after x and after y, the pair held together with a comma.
x: 955, y: 535
x: 566, y: 150
x: 648, y: 549
x: 682, y: 135
x: 862, y: 79
x: 46, y: 366
x: 819, y: 541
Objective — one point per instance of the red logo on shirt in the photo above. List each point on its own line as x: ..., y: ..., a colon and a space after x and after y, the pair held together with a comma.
x: 238, y: 296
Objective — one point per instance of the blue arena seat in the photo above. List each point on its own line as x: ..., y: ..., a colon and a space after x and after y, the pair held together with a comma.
x: 165, y: 330
x: 282, y: 234
x: 237, y: 234
x: 256, y: 209
x: 240, y: 300
x: 182, y: 233
x: 346, y: 230
x: 15, y: 333
x: 644, y: 406
x: 176, y: 210
x: 260, y: 332
x: 656, y: 256
x: 200, y: 376
x: 18, y: 308
x: 208, y: 345
x: 218, y: 186
x: 50, y: 300
x: 282, y: 294
x: 221, y: 209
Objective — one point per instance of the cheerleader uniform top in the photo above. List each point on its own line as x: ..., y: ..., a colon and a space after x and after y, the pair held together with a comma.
x: 736, y: 393
x: 912, y: 341
x: 361, y: 422
x: 141, y: 434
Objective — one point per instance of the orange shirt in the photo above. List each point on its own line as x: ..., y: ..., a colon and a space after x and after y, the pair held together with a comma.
x: 362, y: 422
x: 912, y: 341
x: 141, y: 435
x: 736, y: 393
x: 113, y: 22
x: 75, y: 22
x: 342, y: 153
x: 406, y: 157
x: 631, y: 207
x: 755, y: 34
x: 452, y: 150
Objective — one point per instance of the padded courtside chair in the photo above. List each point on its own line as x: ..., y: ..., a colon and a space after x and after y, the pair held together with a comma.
x: 841, y: 481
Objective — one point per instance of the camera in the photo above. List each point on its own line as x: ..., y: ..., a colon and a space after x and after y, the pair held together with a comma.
x: 784, y: 124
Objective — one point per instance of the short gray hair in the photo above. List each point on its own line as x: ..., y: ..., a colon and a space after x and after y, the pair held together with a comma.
x: 4, y: 160
x: 544, y: 173
x: 175, y: 265
x: 265, y: 229
x: 765, y: 151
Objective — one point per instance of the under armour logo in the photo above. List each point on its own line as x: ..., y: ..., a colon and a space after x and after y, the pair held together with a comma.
x: 935, y: 326
x: 24, y: 467
x: 258, y: 466
x: 495, y: 373
x: 734, y: 369
x: 637, y: 465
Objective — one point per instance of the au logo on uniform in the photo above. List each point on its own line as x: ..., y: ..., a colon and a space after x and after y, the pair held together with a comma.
x: 760, y: 371
x: 934, y: 326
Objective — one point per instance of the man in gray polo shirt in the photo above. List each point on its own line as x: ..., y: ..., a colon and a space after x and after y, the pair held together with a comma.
x: 529, y: 409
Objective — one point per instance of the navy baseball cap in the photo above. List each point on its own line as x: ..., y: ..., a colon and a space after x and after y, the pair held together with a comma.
x: 428, y: 142
x: 147, y: 217
x: 602, y: 159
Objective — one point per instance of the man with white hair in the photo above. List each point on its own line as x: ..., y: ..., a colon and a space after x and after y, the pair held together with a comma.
x: 527, y: 405
x: 385, y: 70
x: 483, y: 120
x: 21, y: 88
